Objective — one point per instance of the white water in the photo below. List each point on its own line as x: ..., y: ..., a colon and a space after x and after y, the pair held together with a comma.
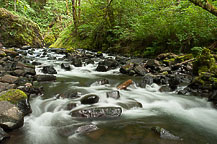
x: 49, y: 114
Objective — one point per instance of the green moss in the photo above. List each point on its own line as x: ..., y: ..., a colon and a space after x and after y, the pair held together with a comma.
x: 18, y: 31
x: 13, y: 96
x: 49, y: 39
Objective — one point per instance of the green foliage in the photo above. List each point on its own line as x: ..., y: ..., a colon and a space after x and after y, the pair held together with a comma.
x: 196, y: 51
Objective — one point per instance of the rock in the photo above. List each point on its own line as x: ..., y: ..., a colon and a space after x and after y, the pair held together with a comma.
x: 148, y: 79
x: 6, y: 86
x: 70, y: 106
x: 164, y: 134
x: 2, y: 53
x: 77, y: 62
x: 113, y: 94
x: 89, y: 61
x: 130, y: 104
x: 3, y: 135
x: 42, y: 78
x: 1, y: 45
x: 25, y: 32
x: 140, y: 70
x: 165, y: 88
x: 152, y: 63
x: 19, y: 72
x: 86, y: 129
x: 66, y: 66
x: 125, y: 84
x: 26, y: 47
x: 10, y: 116
x: 102, y: 68
x: 17, y: 97
x: 49, y: 70
x: 36, y: 63
x: 99, y: 112
x: 89, y: 99
x: 103, y: 82
x: 127, y: 68
x: 110, y: 63
x: 9, y: 79
x: 166, y: 56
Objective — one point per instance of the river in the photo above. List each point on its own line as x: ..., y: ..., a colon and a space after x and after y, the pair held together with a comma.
x: 191, y: 118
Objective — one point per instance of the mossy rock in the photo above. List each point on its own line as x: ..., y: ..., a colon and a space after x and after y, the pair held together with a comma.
x: 49, y: 39
x: 13, y: 95
x: 205, y: 62
x: 18, y: 31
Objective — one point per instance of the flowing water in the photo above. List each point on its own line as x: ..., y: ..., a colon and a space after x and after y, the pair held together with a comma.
x: 191, y: 118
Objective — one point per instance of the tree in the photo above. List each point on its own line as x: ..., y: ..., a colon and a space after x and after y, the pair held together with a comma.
x: 205, y: 4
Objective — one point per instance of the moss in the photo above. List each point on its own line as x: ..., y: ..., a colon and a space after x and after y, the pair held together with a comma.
x: 13, y: 96
x: 18, y: 31
x: 205, y: 62
x: 49, y: 39
x: 183, y: 58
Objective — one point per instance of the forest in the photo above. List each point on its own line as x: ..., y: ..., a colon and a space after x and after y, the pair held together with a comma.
x: 108, y: 71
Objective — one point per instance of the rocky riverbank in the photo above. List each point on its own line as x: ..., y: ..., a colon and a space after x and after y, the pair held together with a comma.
x: 182, y: 74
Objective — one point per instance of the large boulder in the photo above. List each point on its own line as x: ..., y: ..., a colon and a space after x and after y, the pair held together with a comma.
x: 96, y: 113
x: 18, y: 98
x: 18, y: 31
x: 10, y: 116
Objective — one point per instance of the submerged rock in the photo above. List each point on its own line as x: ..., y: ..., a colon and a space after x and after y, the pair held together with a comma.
x: 18, y: 31
x: 100, y: 112
x: 89, y: 99
x: 86, y: 129
x: 113, y: 94
x: 164, y: 134
x: 42, y: 78
x: 3, y: 135
x: 66, y: 66
x: 102, y: 68
x: 49, y: 70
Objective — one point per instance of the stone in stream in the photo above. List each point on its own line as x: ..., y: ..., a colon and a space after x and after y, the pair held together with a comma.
x: 42, y: 78
x: 164, y: 134
x: 77, y: 62
x: 49, y: 70
x: 90, y: 99
x: 66, y: 66
x: 70, y: 106
x: 86, y: 129
x: 113, y: 94
x: 102, y: 68
x: 103, y: 82
x: 98, y: 113
x: 3, y: 135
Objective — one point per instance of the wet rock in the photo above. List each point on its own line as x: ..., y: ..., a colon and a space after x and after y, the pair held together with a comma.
x: 9, y: 79
x: 89, y: 99
x: 125, y: 84
x: 152, y: 63
x: 113, y: 94
x: 77, y: 62
x: 3, y: 135
x: 165, y: 88
x: 25, y: 47
x: 140, y: 70
x: 66, y: 66
x: 49, y: 70
x: 102, y: 68
x: 148, y: 79
x: 70, y: 106
x: 127, y: 68
x: 86, y: 129
x: 89, y: 61
x: 103, y: 82
x: 130, y: 104
x: 164, y: 134
x: 10, y: 116
x: 42, y: 78
x: 100, y: 112
x: 110, y: 63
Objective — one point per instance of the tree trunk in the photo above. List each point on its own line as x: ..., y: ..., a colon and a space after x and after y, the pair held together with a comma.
x: 67, y: 7
x: 205, y: 5
x: 74, y: 14
x: 15, y: 5
x: 79, y: 9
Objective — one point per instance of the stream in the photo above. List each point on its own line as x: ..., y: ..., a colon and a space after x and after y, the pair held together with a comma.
x: 191, y: 118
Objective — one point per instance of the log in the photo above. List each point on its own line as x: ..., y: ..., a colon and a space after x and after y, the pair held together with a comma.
x: 125, y: 84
